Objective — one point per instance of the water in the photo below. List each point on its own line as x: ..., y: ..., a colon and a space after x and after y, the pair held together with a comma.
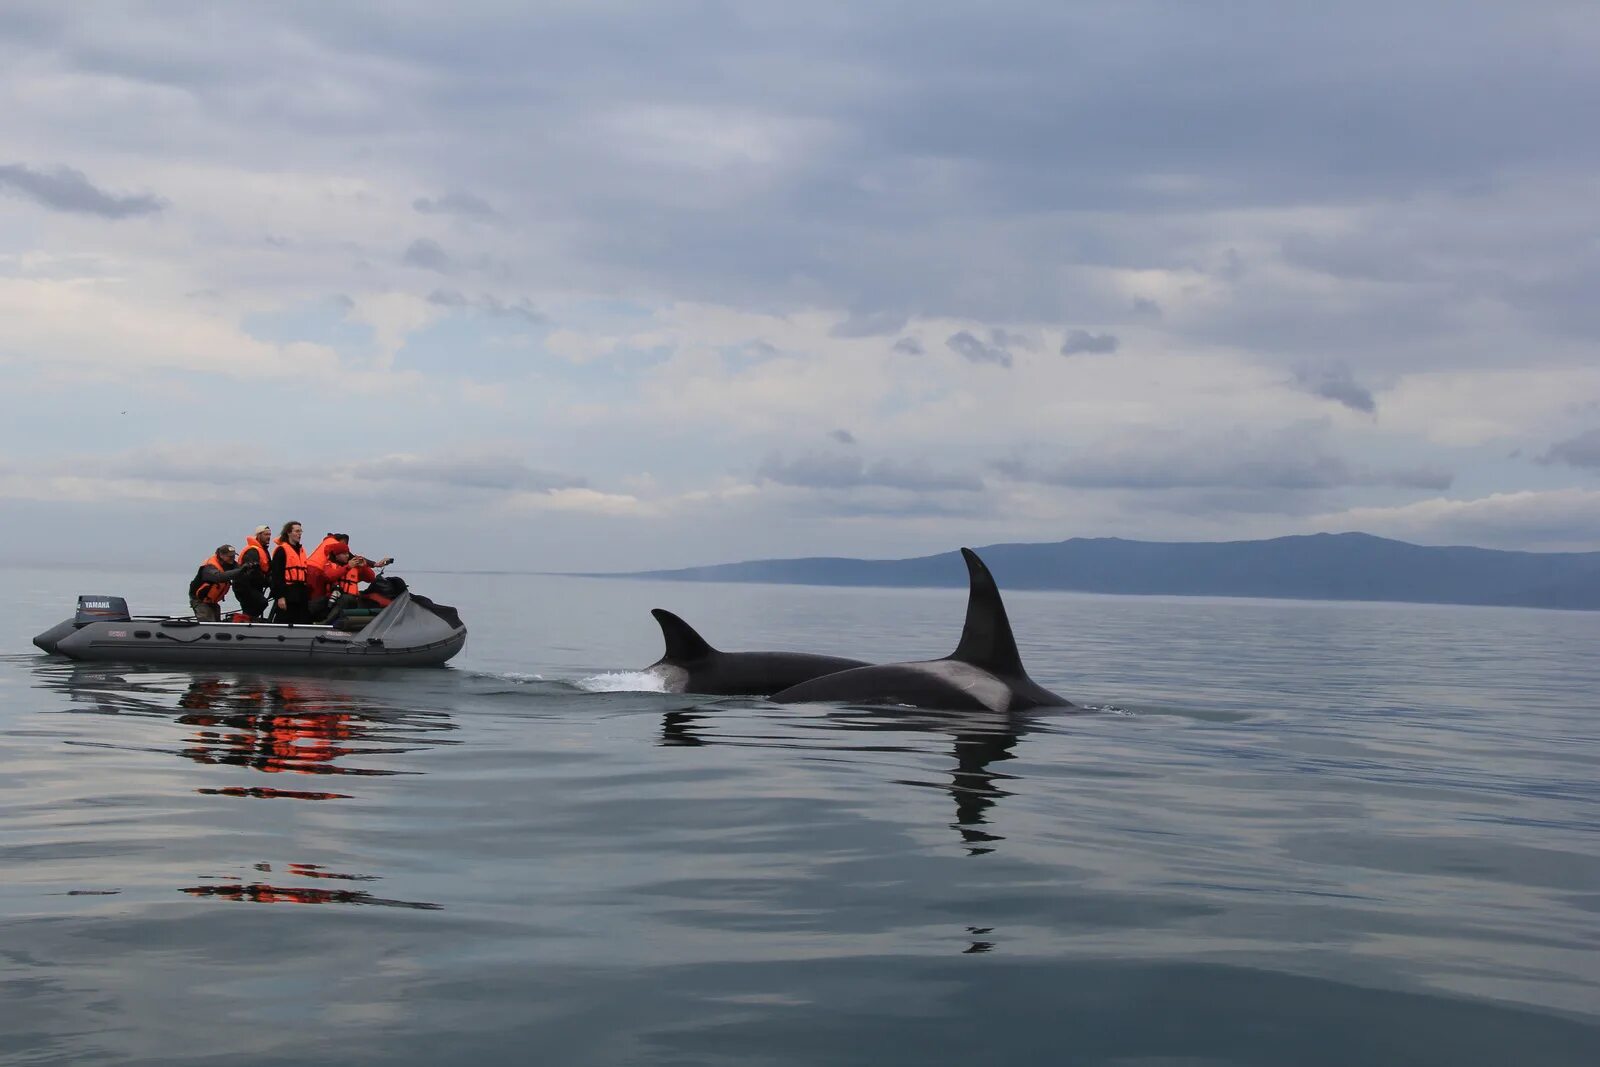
x: 1292, y: 833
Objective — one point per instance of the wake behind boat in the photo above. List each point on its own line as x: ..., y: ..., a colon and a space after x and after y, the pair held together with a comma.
x: 410, y: 631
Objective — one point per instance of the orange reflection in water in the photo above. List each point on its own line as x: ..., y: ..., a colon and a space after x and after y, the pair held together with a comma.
x: 284, y: 728
x: 277, y: 728
x: 259, y: 892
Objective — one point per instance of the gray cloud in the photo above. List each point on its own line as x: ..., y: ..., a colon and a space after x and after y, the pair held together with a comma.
x: 1003, y: 338
x: 1293, y: 459
x: 870, y: 324
x: 840, y: 471
x: 1084, y: 341
x: 844, y: 437
x: 908, y: 346
x: 969, y: 347
x: 1580, y: 451
x: 156, y: 465
x: 1335, y: 382
x: 65, y: 189
x: 961, y: 192
x: 900, y: 505
x: 463, y: 205
x: 427, y: 254
x: 521, y: 308
x: 467, y: 472
x: 179, y: 466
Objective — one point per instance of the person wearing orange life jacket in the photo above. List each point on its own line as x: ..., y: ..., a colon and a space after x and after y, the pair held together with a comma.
x: 256, y: 558
x: 211, y: 583
x: 319, y: 555
x: 287, y: 577
x: 317, y: 558
x: 340, y: 579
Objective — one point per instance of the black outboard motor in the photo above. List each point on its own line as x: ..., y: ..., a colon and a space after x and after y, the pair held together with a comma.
x: 388, y: 586
x: 101, y: 609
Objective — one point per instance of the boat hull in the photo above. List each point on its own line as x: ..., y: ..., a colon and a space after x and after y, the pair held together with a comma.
x: 410, y: 632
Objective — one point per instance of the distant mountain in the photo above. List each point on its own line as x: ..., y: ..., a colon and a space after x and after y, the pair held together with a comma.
x: 1347, y: 566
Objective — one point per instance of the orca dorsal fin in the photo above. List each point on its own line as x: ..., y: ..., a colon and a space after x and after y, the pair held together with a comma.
x: 986, y: 639
x: 683, y: 643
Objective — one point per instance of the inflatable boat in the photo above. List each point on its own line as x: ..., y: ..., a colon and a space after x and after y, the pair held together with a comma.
x: 410, y: 631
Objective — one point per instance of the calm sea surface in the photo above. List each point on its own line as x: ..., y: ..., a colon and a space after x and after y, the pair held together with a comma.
x: 1290, y: 833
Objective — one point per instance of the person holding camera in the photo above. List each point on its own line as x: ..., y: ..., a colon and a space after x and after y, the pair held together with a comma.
x: 340, y: 577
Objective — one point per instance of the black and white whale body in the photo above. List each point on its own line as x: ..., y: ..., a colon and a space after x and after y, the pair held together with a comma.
x: 983, y: 673
x: 691, y: 665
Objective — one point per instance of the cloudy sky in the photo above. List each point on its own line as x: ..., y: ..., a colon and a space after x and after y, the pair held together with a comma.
x: 614, y: 284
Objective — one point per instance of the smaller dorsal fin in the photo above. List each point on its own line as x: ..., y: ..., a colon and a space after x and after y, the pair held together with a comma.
x: 986, y: 639
x: 683, y: 643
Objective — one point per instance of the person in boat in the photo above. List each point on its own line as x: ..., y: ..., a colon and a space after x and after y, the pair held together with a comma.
x: 211, y: 583
x: 337, y: 583
x: 319, y: 555
x: 256, y: 559
x: 287, y: 577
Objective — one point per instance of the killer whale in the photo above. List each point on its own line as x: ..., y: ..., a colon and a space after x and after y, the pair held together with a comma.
x: 983, y: 673
x: 691, y: 665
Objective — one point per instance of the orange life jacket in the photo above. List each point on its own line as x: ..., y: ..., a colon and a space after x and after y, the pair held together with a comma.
x: 294, y: 563
x: 319, y: 555
x: 209, y: 592
x: 350, y: 582
x: 344, y: 577
x: 265, y: 554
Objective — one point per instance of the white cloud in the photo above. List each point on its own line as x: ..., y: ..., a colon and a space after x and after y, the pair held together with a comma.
x: 1494, y: 404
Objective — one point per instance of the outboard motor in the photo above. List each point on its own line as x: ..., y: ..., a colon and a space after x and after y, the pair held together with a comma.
x: 382, y: 590
x: 101, y: 609
x: 387, y: 585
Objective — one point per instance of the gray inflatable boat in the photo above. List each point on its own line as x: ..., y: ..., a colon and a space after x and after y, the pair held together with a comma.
x: 411, y: 631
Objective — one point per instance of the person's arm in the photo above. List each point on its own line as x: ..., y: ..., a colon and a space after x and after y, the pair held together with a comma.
x: 216, y: 576
x: 275, y: 577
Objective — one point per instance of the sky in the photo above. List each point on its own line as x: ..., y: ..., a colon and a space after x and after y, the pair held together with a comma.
x: 617, y: 285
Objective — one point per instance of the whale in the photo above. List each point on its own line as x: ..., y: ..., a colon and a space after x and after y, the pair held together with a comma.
x: 984, y: 673
x: 691, y: 665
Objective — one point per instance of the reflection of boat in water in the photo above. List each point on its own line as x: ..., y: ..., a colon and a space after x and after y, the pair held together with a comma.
x: 261, y: 892
x: 410, y: 631
x: 302, y: 726
x: 276, y: 726
x: 311, y: 726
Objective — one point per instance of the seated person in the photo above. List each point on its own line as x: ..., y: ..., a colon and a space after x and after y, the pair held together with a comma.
x: 319, y: 555
x: 336, y: 584
x: 211, y: 583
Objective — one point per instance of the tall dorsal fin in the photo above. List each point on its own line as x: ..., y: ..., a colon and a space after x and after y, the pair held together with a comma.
x: 683, y: 643
x: 986, y: 639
